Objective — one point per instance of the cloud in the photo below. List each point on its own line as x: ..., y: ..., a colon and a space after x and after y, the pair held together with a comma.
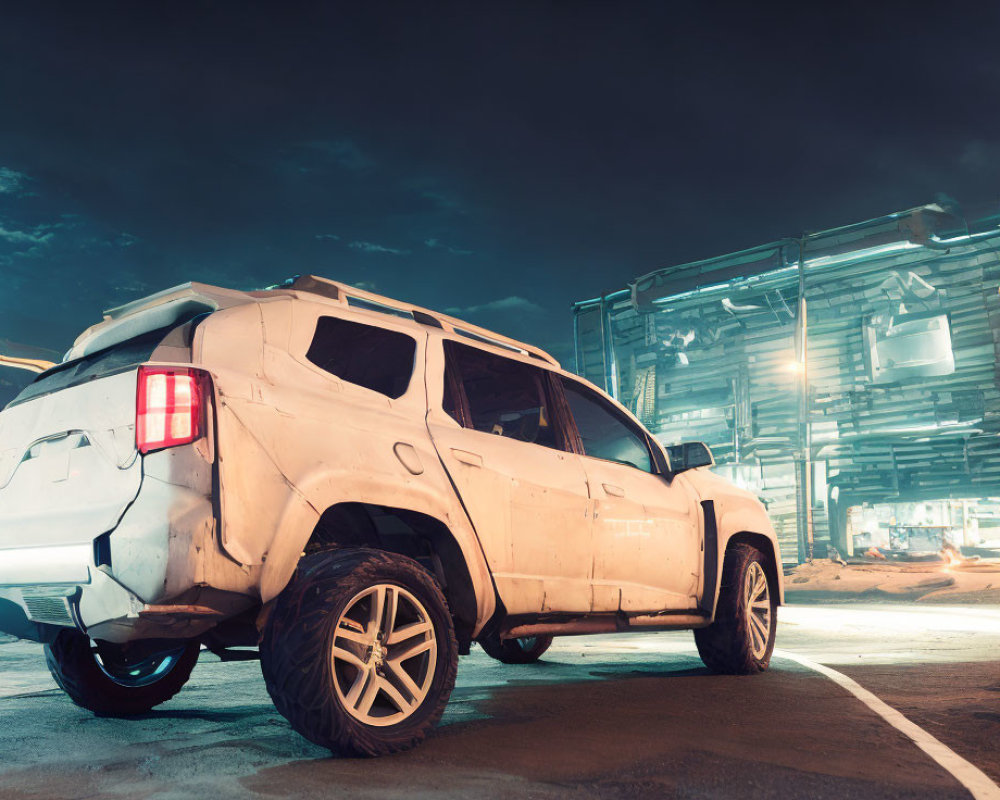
x: 371, y: 247
x: 437, y: 197
x: 11, y: 181
x: 979, y: 155
x: 443, y: 201
x: 435, y: 244
x: 365, y: 286
x: 342, y: 152
x: 40, y: 235
x: 330, y: 236
x: 505, y: 305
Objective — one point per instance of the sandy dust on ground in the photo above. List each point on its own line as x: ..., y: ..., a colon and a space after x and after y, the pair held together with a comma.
x: 927, y: 582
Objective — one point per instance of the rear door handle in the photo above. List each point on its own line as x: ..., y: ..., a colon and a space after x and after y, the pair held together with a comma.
x: 472, y: 459
x: 614, y: 491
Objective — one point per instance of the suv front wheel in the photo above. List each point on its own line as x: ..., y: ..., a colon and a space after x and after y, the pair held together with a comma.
x: 359, y: 652
x: 741, y: 639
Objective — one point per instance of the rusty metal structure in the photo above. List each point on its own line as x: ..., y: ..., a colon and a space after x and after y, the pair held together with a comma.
x: 845, y: 370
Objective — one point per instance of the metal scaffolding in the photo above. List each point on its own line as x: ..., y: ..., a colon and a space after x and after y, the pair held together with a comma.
x: 891, y: 392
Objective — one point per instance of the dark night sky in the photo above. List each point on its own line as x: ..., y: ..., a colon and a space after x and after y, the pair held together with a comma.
x: 500, y: 159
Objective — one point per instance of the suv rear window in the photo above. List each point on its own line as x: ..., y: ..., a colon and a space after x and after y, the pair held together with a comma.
x: 118, y: 358
x: 374, y: 358
x: 503, y: 396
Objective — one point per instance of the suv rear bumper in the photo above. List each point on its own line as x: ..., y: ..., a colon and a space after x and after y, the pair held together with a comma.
x: 40, y: 565
x: 60, y: 585
x: 161, y: 573
x: 44, y: 589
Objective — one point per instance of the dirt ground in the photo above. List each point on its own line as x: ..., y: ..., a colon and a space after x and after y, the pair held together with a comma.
x: 929, y: 582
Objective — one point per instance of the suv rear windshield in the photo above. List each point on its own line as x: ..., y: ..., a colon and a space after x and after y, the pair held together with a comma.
x: 118, y: 358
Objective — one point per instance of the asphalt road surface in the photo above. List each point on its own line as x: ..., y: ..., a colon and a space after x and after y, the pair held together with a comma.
x: 626, y: 716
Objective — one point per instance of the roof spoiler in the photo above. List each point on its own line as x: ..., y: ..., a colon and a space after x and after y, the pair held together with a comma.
x: 169, y: 307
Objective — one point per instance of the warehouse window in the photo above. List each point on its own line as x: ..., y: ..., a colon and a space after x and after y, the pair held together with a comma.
x: 905, y: 346
x: 370, y: 357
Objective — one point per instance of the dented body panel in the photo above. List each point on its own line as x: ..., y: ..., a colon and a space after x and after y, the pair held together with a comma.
x: 656, y: 523
x: 175, y: 542
x: 522, y: 499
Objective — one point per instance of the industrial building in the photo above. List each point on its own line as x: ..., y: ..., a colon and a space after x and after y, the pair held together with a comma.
x: 848, y: 377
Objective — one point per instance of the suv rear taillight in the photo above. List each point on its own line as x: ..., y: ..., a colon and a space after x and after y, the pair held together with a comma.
x: 170, y: 407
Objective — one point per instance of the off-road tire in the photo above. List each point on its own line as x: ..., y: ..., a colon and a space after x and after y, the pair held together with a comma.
x: 725, y: 645
x: 71, y: 661
x: 296, y: 650
x: 526, y: 650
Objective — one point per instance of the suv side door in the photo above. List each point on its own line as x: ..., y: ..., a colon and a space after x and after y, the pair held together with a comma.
x: 647, y: 534
x: 497, y: 433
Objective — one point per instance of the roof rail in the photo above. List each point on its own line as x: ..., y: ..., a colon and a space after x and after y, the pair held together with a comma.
x: 342, y: 292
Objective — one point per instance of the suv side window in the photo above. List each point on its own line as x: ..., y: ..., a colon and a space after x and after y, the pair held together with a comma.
x: 367, y: 356
x: 500, y: 396
x: 604, y: 432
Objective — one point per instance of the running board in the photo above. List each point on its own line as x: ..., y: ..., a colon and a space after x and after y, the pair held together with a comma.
x: 606, y: 623
x: 576, y: 627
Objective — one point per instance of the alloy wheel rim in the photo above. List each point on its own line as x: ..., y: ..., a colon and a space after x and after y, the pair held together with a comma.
x: 757, y: 597
x: 135, y: 674
x: 384, y: 653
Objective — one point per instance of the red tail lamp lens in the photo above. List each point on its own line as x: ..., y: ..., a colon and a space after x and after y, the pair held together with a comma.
x: 170, y: 407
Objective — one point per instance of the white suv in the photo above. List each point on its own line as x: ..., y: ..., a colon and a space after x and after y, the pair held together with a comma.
x: 359, y: 488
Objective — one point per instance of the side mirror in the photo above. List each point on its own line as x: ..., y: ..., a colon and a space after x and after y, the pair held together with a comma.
x: 689, y: 455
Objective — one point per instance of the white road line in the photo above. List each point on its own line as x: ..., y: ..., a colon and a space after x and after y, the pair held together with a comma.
x: 970, y: 776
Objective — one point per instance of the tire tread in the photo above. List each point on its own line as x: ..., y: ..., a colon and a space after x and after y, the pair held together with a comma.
x: 295, y: 665
x: 71, y: 662
x: 508, y: 651
x: 724, y: 646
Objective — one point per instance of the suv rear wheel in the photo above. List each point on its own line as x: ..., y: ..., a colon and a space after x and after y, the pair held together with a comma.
x: 741, y: 638
x: 525, y: 650
x: 359, y: 652
x: 119, y: 680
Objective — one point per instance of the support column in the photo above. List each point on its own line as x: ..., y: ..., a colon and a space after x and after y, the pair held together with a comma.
x: 803, y: 477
